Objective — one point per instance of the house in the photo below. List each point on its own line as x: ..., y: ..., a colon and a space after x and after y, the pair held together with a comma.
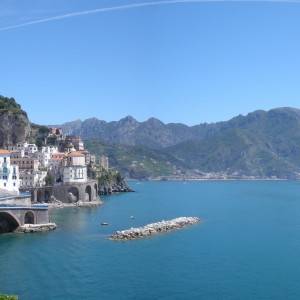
x: 32, y: 179
x: 45, y: 154
x: 104, y: 162
x: 75, y: 169
x: 25, y: 163
x: 75, y: 141
x: 30, y: 149
x: 9, y: 173
x: 55, y: 165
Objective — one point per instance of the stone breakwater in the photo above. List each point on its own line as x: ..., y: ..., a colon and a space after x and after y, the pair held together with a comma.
x: 30, y: 228
x: 154, y: 228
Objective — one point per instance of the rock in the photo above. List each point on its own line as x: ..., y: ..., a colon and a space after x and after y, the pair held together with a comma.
x: 154, y: 228
x: 30, y: 228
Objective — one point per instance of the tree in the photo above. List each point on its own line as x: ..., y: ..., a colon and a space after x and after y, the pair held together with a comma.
x: 49, y: 180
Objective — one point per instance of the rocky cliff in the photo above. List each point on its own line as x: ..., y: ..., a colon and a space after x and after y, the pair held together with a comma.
x: 14, y: 124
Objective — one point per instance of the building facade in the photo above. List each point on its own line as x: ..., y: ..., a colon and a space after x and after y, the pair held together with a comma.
x: 104, y: 163
x: 74, y: 169
x: 9, y: 173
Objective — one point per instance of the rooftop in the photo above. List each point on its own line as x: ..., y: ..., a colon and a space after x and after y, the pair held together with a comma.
x: 75, y: 154
x: 4, y: 152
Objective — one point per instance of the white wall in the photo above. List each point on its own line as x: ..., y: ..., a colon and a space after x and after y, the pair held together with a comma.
x: 75, y: 174
x: 9, y: 174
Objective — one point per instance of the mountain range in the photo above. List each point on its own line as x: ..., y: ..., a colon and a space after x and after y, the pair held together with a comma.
x: 262, y: 144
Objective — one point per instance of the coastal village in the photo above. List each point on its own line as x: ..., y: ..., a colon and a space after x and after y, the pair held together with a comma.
x: 57, y: 174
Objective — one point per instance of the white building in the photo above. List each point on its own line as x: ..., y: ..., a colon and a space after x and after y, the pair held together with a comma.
x: 30, y: 149
x: 9, y: 174
x: 104, y: 163
x: 32, y: 179
x: 75, y: 169
x: 27, y: 148
x: 14, y: 154
x: 45, y: 155
x: 49, y: 149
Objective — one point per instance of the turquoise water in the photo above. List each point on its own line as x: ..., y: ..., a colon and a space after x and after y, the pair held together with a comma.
x: 247, y: 247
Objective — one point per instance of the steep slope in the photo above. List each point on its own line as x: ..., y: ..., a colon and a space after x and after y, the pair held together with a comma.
x: 14, y: 123
x: 128, y: 131
x: 260, y: 144
x: 136, y: 161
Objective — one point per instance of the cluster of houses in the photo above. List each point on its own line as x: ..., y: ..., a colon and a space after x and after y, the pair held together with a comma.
x: 24, y: 165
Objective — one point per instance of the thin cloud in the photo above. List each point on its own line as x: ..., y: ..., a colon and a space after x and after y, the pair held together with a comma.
x: 132, y: 6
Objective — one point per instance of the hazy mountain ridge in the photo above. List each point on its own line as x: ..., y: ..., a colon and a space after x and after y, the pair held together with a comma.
x: 261, y: 144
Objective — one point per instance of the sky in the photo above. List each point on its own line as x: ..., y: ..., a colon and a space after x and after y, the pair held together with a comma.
x: 183, y: 62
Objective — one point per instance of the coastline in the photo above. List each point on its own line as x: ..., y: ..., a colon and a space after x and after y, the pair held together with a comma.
x: 211, y: 179
x: 76, y: 204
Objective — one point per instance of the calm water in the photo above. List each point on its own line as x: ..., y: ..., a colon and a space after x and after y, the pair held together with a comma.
x: 248, y: 246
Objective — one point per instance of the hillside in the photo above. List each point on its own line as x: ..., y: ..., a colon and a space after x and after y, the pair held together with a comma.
x: 138, y: 162
x: 128, y: 131
x: 14, y: 123
x: 15, y: 126
x: 260, y: 144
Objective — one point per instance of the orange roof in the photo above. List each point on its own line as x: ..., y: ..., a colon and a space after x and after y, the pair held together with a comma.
x: 4, y: 151
x: 75, y: 154
x: 58, y: 156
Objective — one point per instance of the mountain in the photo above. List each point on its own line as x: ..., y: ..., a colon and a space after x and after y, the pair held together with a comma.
x: 15, y: 126
x: 128, y: 131
x: 260, y: 144
x: 138, y: 162
x: 14, y: 123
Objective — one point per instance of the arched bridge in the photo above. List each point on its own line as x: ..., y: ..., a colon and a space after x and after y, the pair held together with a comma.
x: 65, y: 192
x: 11, y: 217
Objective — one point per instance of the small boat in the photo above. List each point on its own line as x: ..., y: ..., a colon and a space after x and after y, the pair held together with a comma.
x: 104, y: 224
x: 131, y: 217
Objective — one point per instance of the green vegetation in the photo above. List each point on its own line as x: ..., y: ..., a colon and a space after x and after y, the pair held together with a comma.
x: 109, y: 177
x: 261, y: 144
x: 9, y: 104
x: 136, y: 161
x: 6, y: 297
x: 49, y: 179
x: 38, y: 134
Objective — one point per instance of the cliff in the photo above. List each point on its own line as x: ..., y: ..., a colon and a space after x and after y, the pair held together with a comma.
x: 111, y: 181
x: 14, y: 124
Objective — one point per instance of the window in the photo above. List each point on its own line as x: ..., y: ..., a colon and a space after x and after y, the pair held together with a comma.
x: 4, y: 159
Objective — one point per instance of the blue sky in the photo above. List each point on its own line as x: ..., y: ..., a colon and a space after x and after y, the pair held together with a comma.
x: 190, y: 63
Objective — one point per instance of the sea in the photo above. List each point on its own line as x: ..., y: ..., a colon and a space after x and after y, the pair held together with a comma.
x: 247, y: 246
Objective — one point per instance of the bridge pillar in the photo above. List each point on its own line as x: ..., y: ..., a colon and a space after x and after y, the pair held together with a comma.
x: 34, y: 195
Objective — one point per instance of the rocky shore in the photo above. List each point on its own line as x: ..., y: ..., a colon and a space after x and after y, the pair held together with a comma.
x: 30, y: 228
x: 59, y: 204
x: 154, y: 228
x: 111, y: 188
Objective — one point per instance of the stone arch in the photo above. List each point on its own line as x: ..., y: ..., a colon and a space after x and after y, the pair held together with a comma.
x: 73, y: 194
x: 88, y: 193
x: 29, y: 218
x: 96, y: 189
x: 8, y: 222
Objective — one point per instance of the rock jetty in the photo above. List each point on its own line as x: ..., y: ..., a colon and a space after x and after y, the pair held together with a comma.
x: 154, y: 228
x: 30, y: 228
